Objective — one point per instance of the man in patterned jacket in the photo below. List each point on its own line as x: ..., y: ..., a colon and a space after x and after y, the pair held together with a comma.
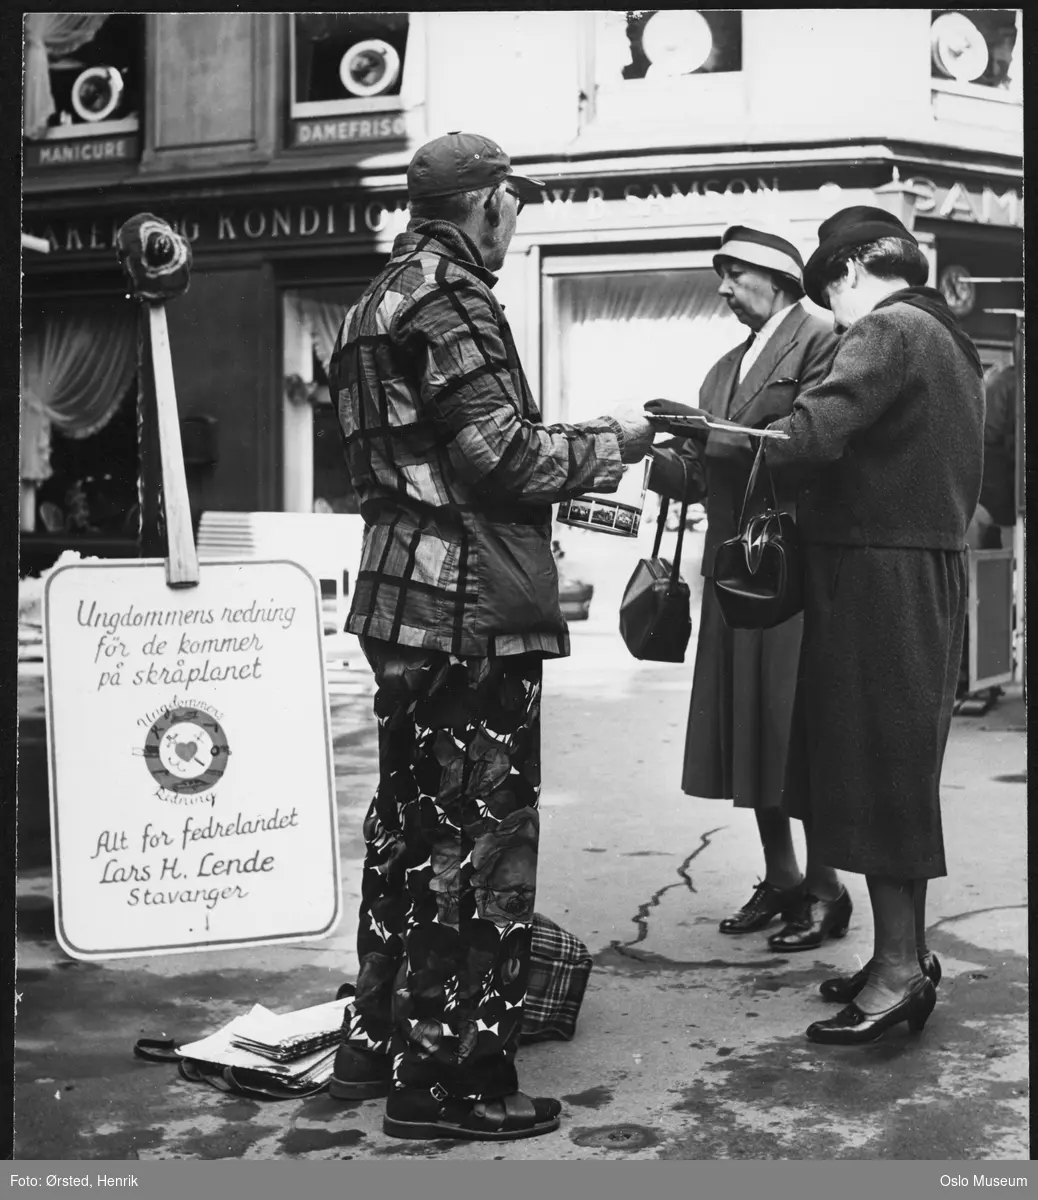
x: 456, y: 605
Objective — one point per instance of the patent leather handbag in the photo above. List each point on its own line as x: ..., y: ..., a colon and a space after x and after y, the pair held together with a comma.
x: 758, y: 575
x: 655, y: 622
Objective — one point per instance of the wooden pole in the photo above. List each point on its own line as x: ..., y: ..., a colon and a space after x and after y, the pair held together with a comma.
x: 151, y: 531
x: 181, y: 559
x: 156, y: 261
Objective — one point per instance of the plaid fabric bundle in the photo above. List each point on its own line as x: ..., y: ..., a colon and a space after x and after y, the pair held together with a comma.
x: 559, y: 969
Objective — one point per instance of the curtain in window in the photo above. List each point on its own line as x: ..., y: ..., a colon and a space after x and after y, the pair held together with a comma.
x: 47, y: 35
x: 323, y: 319
x: 76, y: 367
x: 638, y: 335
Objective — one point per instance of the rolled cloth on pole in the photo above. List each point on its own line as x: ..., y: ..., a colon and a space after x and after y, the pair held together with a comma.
x: 155, y: 259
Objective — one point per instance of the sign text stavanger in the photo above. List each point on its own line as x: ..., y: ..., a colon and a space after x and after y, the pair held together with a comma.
x: 192, y: 792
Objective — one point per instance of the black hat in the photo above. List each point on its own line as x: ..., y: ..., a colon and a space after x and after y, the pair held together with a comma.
x: 854, y: 226
x: 462, y: 162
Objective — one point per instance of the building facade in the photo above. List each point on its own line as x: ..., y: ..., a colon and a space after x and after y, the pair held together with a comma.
x: 278, y: 143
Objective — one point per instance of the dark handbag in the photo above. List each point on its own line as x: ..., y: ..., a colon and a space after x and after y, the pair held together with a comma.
x: 758, y: 576
x: 654, y: 613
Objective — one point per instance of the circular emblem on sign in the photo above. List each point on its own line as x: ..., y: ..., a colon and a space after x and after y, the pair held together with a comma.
x: 676, y: 42
x: 369, y: 68
x: 958, y: 48
x: 97, y: 93
x: 186, y: 750
x: 958, y: 290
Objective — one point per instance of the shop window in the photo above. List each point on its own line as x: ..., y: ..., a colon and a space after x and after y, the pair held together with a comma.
x: 655, y: 73
x: 78, y: 443
x: 600, y: 315
x: 344, y: 63
x: 314, y: 466
x: 977, y: 48
x: 666, y: 44
x: 92, y: 488
x: 83, y: 74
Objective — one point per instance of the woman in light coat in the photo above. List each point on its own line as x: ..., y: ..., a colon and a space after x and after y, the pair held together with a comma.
x: 745, y: 680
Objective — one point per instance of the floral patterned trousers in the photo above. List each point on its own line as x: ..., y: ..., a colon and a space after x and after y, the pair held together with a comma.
x: 450, y: 868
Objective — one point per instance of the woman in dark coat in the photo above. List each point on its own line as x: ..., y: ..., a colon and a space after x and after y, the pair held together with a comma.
x: 745, y: 680
x: 893, y: 441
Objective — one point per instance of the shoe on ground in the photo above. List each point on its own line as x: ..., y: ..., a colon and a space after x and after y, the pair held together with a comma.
x: 433, y: 1113
x: 813, y: 923
x: 853, y: 1027
x: 842, y: 989
x: 766, y: 903
x: 360, y: 1074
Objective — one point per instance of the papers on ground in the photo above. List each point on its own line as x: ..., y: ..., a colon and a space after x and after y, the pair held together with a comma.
x: 296, y: 1048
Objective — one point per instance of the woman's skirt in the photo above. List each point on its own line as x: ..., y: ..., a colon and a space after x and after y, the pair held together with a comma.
x: 741, y: 713
x: 883, y: 634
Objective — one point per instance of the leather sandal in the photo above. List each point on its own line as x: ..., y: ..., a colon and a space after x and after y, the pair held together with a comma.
x: 433, y: 1113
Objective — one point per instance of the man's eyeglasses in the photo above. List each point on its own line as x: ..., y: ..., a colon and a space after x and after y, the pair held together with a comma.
x: 520, y: 203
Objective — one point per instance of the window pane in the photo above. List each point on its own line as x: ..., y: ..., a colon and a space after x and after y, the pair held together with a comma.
x: 638, y: 335
x: 93, y: 487
x: 100, y: 79
x: 668, y: 43
x: 959, y: 38
x: 349, y: 56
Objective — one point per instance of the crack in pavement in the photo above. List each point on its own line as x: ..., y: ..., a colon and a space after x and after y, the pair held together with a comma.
x: 641, y: 918
x: 975, y: 912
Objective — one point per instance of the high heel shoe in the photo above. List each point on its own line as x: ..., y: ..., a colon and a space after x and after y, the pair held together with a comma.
x: 852, y: 1027
x: 843, y: 988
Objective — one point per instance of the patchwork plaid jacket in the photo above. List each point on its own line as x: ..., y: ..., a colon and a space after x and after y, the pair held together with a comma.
x: 454, y: 470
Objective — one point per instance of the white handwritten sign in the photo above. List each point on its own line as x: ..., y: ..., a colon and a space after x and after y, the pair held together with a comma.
x: 192, y: 781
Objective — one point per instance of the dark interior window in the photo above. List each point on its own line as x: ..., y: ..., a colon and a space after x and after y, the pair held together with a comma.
x: 118, y: 45
x: 93, y: 486
x: 997, y: 27
x: 349, y: 56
